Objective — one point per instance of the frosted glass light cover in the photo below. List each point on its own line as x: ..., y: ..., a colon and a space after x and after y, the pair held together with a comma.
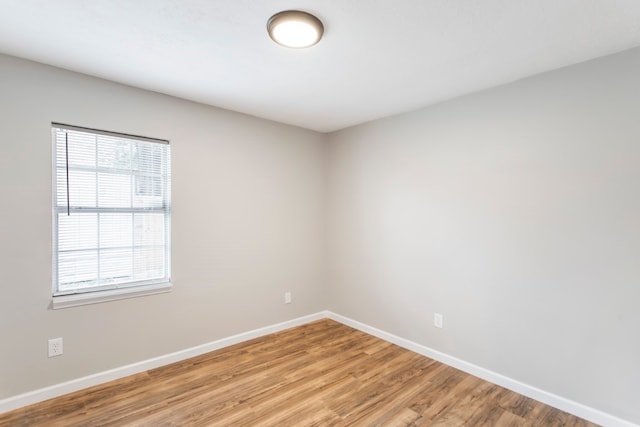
x: 295, y: 29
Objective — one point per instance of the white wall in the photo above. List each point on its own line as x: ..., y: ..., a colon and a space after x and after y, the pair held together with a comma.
x: 248, y: 224
x: 514, y: 212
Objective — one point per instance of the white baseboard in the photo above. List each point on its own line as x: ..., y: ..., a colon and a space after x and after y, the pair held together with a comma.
x: 575, y: 408
x: 550, y: 399
x: 56, y: 390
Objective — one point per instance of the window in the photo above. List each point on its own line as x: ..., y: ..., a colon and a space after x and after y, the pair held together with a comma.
x: 112, y: 216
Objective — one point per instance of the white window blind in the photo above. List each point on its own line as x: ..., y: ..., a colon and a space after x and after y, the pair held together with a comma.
x: 112, y: 211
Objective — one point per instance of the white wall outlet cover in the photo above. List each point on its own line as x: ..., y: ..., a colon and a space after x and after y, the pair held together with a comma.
x: 287, y: 297
x: 55, y: 347
x: 438, y: 320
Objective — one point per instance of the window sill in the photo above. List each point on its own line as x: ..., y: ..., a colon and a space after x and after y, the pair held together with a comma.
x: 66, y: 301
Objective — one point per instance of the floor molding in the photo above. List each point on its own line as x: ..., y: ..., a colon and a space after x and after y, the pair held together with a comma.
x: 574, y: 408
x: 551, y: 399
x: 56, y: 390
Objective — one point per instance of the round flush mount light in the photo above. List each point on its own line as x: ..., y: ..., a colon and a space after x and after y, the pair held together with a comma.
x: 294, y: 28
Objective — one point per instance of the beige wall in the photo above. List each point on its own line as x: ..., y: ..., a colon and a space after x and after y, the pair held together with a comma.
x: 248, y: 224
x: 514, y: 212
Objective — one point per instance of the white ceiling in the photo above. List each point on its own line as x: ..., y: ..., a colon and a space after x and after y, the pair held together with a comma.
x: 377, y: 58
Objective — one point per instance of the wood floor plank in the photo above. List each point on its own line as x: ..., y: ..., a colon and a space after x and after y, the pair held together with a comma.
x: 319, y: 374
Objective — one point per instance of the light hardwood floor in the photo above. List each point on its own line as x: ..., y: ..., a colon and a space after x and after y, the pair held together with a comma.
x: 319, y: 374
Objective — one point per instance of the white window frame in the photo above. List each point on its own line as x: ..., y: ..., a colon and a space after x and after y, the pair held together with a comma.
x: 109, y: 292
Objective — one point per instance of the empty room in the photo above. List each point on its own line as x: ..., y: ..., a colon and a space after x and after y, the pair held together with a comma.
x: 320, y: 213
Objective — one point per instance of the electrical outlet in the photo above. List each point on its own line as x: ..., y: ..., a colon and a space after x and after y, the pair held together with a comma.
x: 437, y: 320
x: 287, y: 297
x: 55, y: 347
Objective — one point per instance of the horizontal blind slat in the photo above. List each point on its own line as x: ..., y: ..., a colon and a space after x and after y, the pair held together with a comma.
x: 80, y: 129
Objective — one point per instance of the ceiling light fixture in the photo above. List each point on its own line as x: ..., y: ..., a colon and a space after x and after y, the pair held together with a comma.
x: 294, y: 28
